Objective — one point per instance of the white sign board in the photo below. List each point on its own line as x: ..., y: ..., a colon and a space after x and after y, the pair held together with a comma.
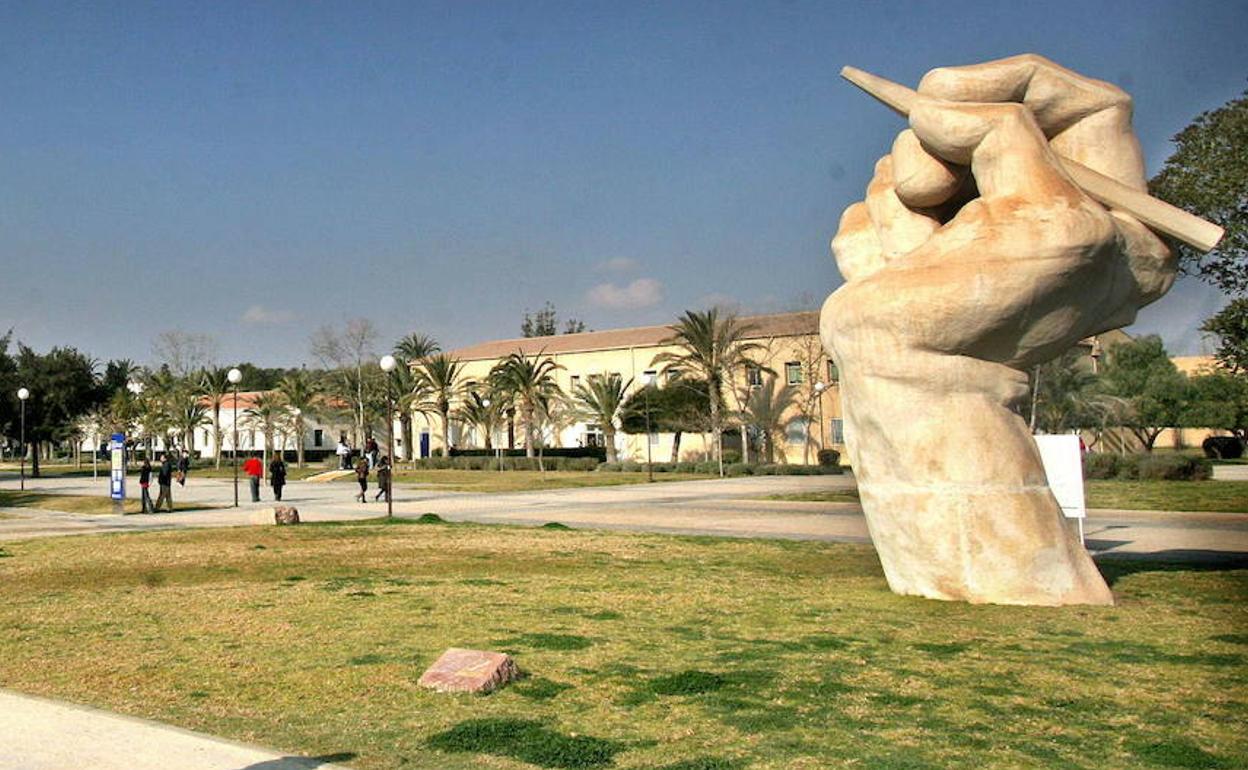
x: 1063, y: 464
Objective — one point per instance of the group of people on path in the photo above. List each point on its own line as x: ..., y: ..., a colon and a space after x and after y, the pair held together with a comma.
x: 370, y: 459
x: 168, y: 471
x: 254, y: 469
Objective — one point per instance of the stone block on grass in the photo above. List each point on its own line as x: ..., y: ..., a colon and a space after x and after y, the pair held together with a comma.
x: 475, y: 671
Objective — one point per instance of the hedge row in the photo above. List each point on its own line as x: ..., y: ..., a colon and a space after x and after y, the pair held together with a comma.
x: 730, y: 469
x: 597, y: 452
x: 481, y: 463
x: 1146, y: 467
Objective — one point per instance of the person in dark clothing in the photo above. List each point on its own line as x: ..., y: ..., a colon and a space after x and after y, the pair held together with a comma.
x: 383, y: 478
x: 164, y: 477
x: 277, y: 475
x: 145, y: 481
x: 184, y: 467
x: 361, y: 475
x: 371, y: 450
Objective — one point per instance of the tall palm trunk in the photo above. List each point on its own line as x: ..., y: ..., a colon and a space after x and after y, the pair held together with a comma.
x: 445, y: 409
x: 675, y: 446
x: 216, y: 431
x: 529, y: 410
x: 299, y: 430
x: 717, y: 431
x: 608, y: 435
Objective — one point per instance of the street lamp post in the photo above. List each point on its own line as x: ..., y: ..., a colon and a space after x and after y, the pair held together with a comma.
x: 649, y: 380
x: 388, y: 363
x: 22, y: 395
x: 235, y: 377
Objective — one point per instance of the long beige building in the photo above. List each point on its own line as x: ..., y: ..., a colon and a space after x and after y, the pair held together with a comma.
x: 790, y: 357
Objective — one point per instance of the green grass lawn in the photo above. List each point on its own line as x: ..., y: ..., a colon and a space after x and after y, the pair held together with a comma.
x: 1223, y: 496
x: 86, y: 504
x: 641, y: 651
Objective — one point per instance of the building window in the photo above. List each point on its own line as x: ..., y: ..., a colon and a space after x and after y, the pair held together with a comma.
x: 573, y: 381
x: 593, y: 436
x: 672, y: 374
x: 649, y: 377
x: 318, y: 437
x: 836, y: 427
x: 834, y: 375
x: 797, y: 430
x: 753, y: 376
x: 793, y: 373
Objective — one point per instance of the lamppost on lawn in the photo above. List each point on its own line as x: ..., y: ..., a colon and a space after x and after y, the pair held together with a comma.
x: 820, y: 387
x: 648, y: 379
x: 235, y: 377
x: 388, y: 363
x: 22, y: 395
x: 485, y: 402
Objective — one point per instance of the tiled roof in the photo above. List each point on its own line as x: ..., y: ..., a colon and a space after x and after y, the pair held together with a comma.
x: 777, y: 325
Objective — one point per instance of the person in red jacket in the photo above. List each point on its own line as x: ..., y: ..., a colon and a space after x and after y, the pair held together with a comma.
x: 254, y: 470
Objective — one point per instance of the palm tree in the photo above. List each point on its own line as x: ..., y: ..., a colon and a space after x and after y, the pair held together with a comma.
x: 267, y: 413
x: 190, y: 415
x: 713, y: 346
x: 763, y: 414
x: 526, y: 381
x: 214, y: 385
x: 439, y: 377
x: 411, y: 394
x: 600, y: 399
x: 415, y: 347
x: 484, y: 414
x: 302, y: 397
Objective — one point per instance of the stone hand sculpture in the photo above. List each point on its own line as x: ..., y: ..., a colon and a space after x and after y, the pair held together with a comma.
x: 973, y: 258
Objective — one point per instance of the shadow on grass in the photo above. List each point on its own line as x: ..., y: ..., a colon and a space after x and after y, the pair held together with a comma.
x: 302, y: 763
x: 1114, y: 567
x: 527, y: 740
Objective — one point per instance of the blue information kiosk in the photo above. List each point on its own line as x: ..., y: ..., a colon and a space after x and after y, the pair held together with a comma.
x: 117, y: 474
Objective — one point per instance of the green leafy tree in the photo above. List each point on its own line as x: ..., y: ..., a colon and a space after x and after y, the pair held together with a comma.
x: 600, y: 399
x: 526, y: 381
x: 299, y: 393
x: 682, y: 406
x: 214, y: 386
x: 63, y: 388
x: 414, y: 347
x: 1231, y: 327
x: 545, y: 323
x: 713, y: 344
x: 1141, y: 373
x: 763, y: 415
x: 485, y: 414
x: 1208, y: 176
x: 269, y: 415
x: 1219, y: 400
x: 190, y: 414
x: 441, y: 383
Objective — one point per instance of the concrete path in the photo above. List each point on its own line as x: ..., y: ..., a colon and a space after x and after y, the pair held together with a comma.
x: 40, y: 734
x: 720, y: 507
x: 1230, y: 472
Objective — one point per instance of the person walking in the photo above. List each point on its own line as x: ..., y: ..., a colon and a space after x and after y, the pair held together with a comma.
x: 164, y: 478
x: 277, y: 475
x: 371, y: 450
x: 361, y: 475
x: 344, y: 454
x: 383, y: 478
x: 184, y: 467
x: 255, y: 471
x: 145, y: 482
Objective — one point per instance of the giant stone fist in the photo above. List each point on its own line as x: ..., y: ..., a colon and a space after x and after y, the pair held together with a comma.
x: 973, y: 258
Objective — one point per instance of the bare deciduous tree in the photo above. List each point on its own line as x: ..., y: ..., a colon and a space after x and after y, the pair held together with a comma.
x: 349, y: 351
x: 184, y: 353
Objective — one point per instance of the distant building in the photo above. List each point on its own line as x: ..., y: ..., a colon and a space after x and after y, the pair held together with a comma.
x: 791, y: 350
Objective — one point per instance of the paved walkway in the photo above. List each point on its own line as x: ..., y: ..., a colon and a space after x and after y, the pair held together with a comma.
x: 40, y: 734
x: 719, y: 507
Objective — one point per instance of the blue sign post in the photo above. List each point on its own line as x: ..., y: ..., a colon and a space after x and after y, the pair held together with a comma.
x: 117, y: 475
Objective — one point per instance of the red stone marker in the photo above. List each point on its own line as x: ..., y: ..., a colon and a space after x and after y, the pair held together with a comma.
x: 469, y: 671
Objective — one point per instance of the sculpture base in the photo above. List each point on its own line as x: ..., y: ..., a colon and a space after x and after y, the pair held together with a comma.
x: 980, y: 544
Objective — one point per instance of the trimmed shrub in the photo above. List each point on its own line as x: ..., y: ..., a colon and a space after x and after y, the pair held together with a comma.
x: 1173, y: 468
x: 731, y: 456
x: 1100, y: 466
x: 1223, y: 447
x: 739, y: 469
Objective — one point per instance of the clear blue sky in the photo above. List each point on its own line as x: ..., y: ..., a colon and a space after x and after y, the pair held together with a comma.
x: 251, y: 170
